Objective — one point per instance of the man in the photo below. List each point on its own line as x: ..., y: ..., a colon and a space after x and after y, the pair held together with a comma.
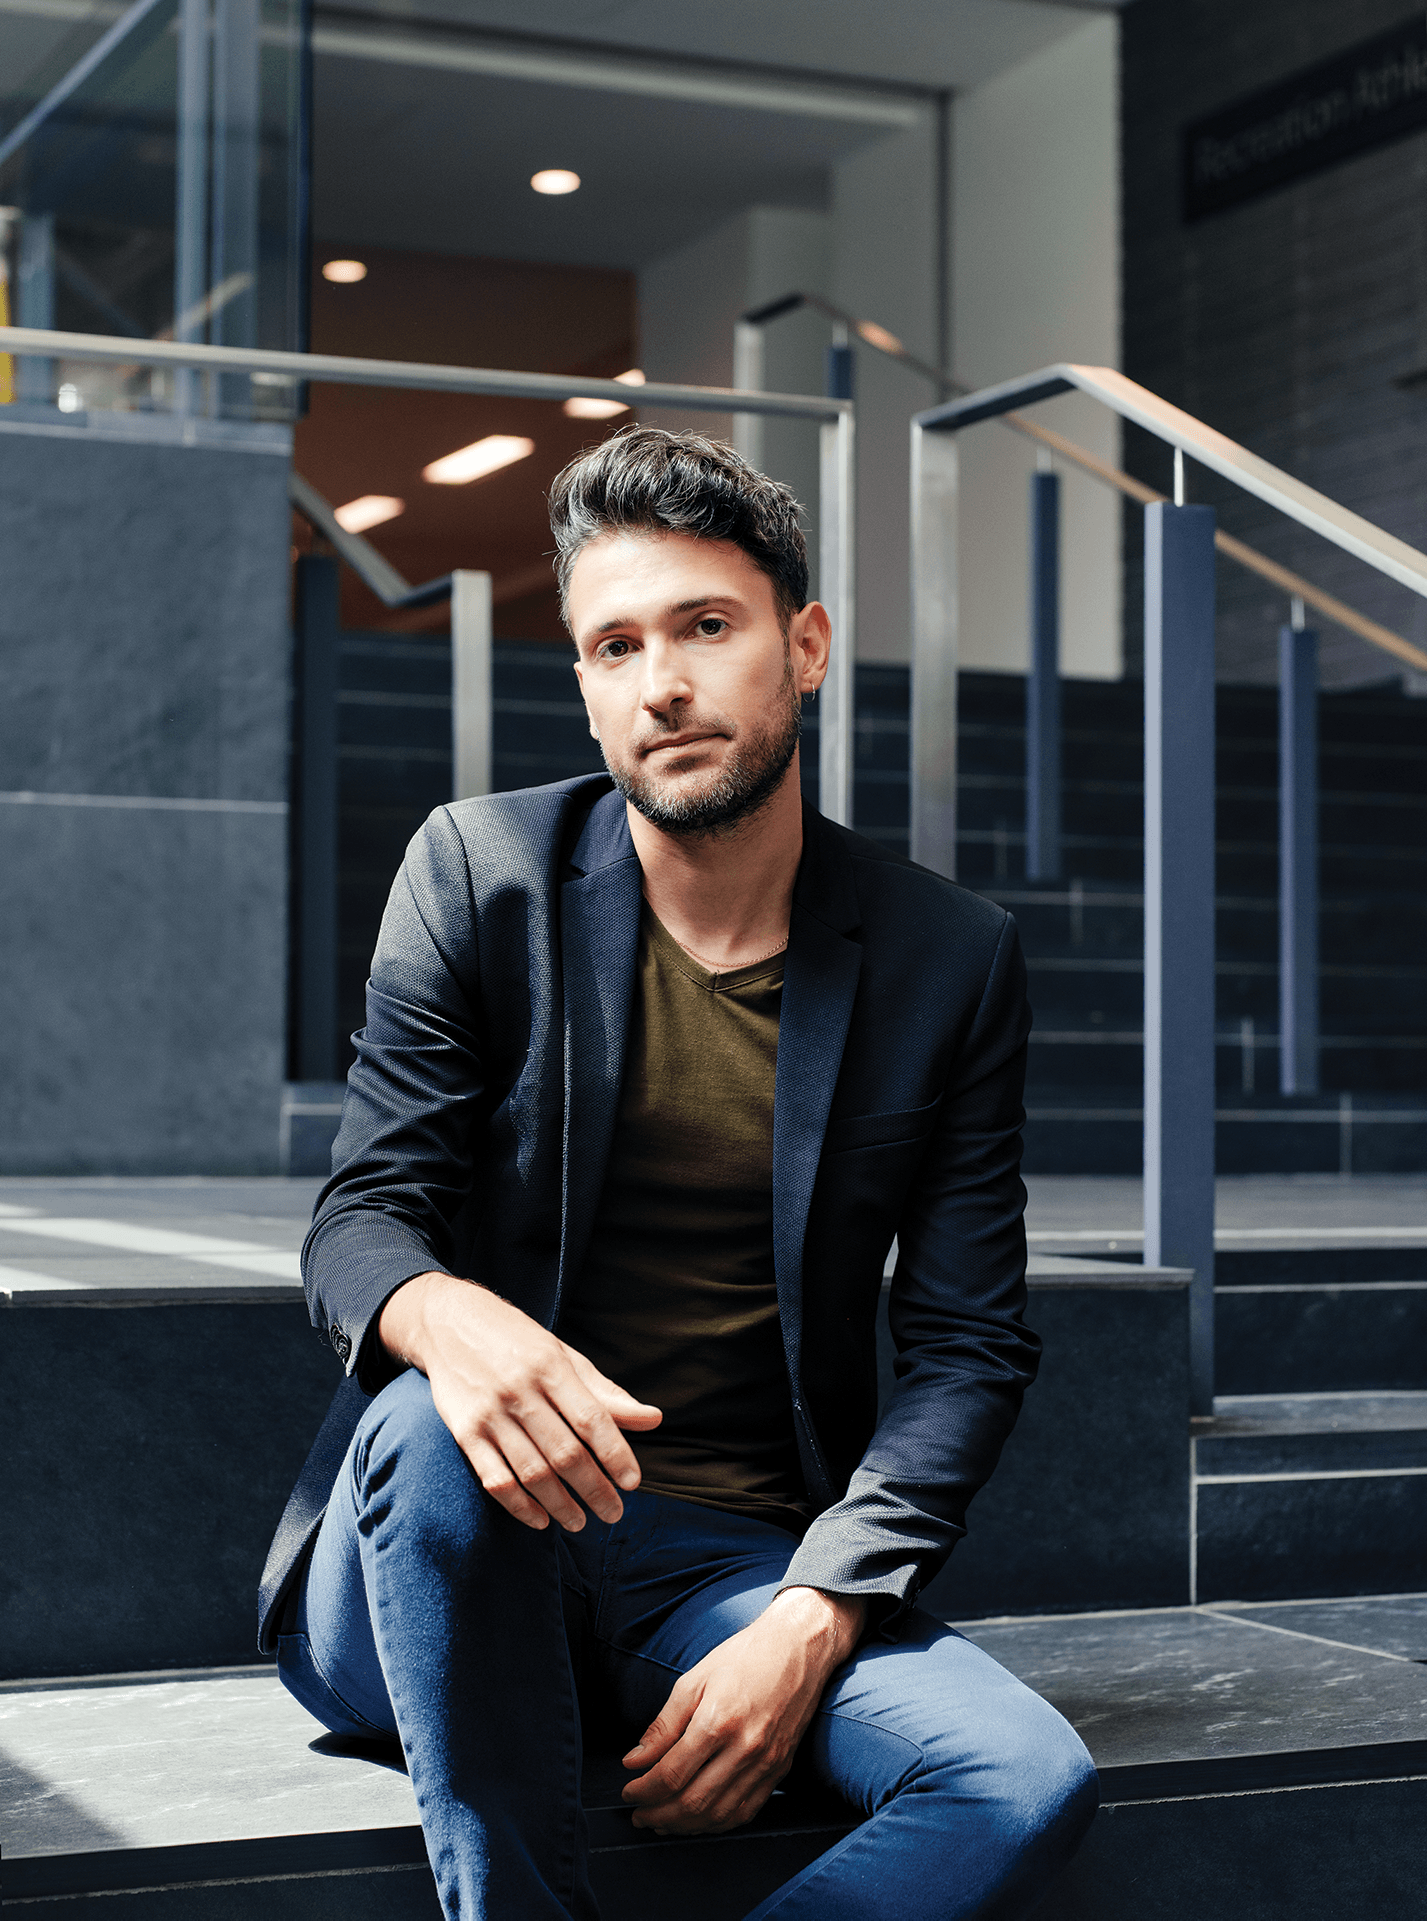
x: 655, y: 1067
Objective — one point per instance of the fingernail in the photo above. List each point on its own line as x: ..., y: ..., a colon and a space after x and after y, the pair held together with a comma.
x: 629, y: 1480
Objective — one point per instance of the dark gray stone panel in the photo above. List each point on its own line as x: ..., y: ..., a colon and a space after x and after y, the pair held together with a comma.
x: 1280, y: 1540
x: 1390, y: 1623
x: 1312, y: 1854
x: 152, y: 1452
x: 144, y: 623
x: 1089, y: 1507
x: 146, y: 951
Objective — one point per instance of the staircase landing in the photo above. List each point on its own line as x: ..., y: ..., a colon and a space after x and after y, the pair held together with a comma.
x: 191, y: 1785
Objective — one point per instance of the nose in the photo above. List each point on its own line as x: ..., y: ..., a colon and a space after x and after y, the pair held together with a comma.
x: 666, y: 683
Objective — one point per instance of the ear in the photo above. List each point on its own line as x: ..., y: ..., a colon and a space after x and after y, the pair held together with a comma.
x: 809, y: 645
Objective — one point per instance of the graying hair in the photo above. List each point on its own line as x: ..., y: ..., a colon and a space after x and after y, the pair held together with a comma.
x: 646, y: 480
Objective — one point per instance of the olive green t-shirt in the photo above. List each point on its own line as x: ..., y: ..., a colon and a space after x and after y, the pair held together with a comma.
x: 677, y: 1301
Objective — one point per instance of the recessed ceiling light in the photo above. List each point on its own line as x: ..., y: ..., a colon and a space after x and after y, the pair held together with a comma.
x: 876, y: 336
x: 346, y: 273
x: 482, y: 457
x: 555, y: 180
x: 368, y: 511
x: 582, y: 408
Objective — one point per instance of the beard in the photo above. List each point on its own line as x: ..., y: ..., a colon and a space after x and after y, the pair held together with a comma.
x: 746, y: 782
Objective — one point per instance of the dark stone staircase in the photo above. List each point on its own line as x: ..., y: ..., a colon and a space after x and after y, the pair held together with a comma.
x: 1083, y: 935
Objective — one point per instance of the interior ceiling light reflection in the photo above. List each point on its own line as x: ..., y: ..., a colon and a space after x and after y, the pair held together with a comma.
x: 580, y: 408
x: 345, y: 273
x: 555, y: 180
x: 482, y: 457
x: 370, y: 510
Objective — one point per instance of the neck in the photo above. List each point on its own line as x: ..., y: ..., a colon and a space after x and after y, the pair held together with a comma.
x: 727, y: 896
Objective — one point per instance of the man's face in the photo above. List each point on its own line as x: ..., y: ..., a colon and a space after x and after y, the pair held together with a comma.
x: 692, y: 687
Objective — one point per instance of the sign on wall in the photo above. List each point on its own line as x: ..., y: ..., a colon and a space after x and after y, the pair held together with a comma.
x: 1361, y: 98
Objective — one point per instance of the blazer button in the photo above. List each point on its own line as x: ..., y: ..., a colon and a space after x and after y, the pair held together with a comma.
x: 342, y: 1345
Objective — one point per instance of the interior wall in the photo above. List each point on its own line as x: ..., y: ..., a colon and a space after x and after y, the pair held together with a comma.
x: 471, y: 312
x: 1035, y: 279
x: 689, y: 302
x: 885, y: 270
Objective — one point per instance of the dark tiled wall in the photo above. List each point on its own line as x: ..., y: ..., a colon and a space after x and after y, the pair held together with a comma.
x: 1284, y: 322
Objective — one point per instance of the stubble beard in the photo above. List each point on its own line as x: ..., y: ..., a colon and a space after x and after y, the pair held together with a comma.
x: 747, y: 781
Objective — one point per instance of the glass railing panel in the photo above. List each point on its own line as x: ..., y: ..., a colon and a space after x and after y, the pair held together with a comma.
x: 152, y: 184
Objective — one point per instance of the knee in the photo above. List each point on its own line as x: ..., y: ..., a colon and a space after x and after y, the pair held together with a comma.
x: 1045, y: 1785
x: 403, y: 1449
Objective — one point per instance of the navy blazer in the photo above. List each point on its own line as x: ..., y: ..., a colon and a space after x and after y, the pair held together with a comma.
x: 480, y: 1111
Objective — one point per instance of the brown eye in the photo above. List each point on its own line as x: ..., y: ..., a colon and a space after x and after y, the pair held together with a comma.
x: 711, y: 625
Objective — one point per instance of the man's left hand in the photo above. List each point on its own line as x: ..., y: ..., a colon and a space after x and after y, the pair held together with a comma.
x: 728, y: 1732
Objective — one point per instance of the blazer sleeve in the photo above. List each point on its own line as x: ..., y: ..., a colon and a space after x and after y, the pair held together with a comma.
x: 402, y: 1157
x: 964, y: 1356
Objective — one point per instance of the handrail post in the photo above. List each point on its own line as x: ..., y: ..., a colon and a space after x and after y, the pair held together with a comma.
x: 1298, y: 857
x: 837, y: 578
x: 1179, y: 914
x: 1043, y: 856
x: 748, y: 375
x: 472, y: 701
x: 935, y: 647
x: 191, y: 209
x: 318, y: 628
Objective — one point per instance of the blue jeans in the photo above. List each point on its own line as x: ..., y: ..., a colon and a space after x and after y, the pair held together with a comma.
x: 429, y: 1613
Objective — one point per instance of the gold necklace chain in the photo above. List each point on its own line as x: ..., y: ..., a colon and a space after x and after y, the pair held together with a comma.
x: 709, y: 965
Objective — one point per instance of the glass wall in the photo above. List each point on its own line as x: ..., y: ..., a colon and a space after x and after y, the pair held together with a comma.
x: 153, y: 184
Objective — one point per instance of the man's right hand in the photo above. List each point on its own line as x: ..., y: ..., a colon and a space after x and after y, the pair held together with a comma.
x: 536, y: 1421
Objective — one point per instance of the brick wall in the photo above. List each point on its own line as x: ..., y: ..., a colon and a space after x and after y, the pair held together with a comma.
x: 1284, y: 322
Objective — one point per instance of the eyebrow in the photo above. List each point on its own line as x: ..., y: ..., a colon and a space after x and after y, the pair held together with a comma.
x: 678, y: 607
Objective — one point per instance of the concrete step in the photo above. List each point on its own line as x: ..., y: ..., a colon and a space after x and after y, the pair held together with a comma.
x: 1344, y: 1134
x: 1307, y: 1336
x: 135, y: 1537
x: 1219, y: 1734
x: 1310, y: 1494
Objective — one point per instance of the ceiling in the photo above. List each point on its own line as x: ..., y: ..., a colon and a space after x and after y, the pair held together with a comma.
x: 930, y: 44
x: 431, y: 115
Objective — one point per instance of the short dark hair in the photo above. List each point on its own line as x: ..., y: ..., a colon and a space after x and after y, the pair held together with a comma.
x: 645, y: 479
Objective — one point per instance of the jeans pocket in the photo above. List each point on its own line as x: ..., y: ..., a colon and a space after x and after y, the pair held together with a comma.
x: 305, y: 1682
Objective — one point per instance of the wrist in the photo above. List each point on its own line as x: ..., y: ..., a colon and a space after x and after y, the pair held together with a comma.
x: 402, y: 1322
x: 834, y: 1622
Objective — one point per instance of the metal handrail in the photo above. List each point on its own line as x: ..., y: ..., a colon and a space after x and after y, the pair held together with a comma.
x: 347, y: 370
x: 881, y: 341
x: 836, y: 419
x: 390, y: 587
x: 1345, y: 529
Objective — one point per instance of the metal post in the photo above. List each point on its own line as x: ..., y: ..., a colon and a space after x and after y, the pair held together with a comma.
x: 839, y: 369
x: 748, y: 375
x: 1043, y: 684
x: 935, y: 470
x: 317, y: 641
x: 236, y: 116
x: 837, y: 577
x: 1179, y: 914
x: 1298, y: 857
x: 472, y: 707
x: 190, y: 211
x: 35, y: 303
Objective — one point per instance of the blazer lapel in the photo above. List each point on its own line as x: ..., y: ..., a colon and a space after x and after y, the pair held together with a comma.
x: 819, y: 987
x: 599, y: 938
